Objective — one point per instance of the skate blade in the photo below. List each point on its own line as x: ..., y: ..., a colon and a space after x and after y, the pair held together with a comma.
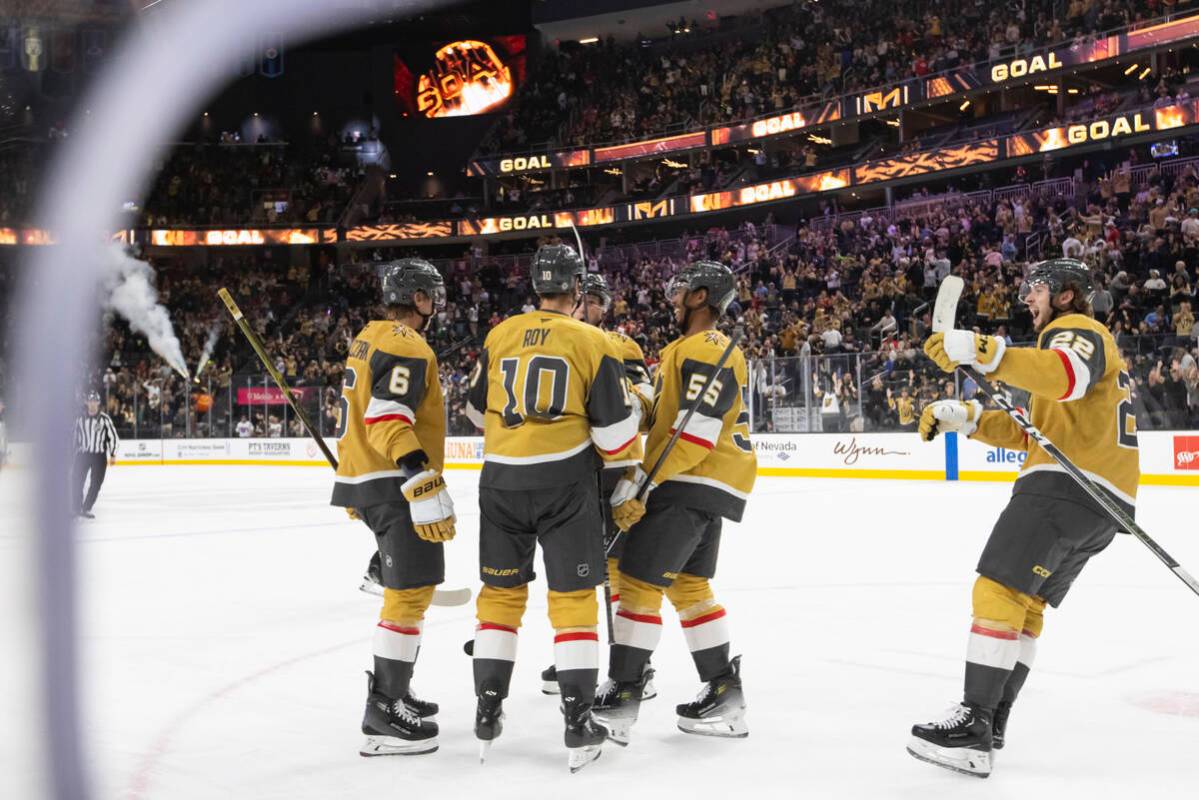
x: 975, y: 763
x: 484, y: 749
x: 392, y: 746
x: 370, y: 587
x: 649, y: 692
x: 619, y: 729
x: 579, y: 757
x: 728, y: 726
x: 550, y: 687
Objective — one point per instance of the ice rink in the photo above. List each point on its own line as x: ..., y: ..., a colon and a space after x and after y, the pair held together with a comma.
x: 225, y: 642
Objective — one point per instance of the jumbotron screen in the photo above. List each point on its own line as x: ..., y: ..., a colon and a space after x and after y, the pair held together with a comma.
x: 461, y: 77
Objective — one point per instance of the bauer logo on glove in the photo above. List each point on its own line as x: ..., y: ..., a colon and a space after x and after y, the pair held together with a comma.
x: 958, y: 348
x: 431, y: 507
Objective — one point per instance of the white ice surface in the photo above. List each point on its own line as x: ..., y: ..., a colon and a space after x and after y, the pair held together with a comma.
x: 225, y: 642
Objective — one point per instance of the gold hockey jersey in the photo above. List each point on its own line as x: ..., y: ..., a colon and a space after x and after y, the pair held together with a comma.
x: 550, y: 394
x: 1081, y: 401
x: 391, y: 407
x: 712, y: 466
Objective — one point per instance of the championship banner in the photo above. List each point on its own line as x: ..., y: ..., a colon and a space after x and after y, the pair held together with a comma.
x: 767, y: 192
x: 523, y: 165
x: 774, y: 126
x: 395, y: 232
x: 889, y: 169
x: 651, y: 147
x: 1133, y: 122
x: 233, y: 237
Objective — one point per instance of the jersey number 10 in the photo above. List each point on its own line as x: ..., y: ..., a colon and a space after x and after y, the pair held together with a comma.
x: 535, y: 399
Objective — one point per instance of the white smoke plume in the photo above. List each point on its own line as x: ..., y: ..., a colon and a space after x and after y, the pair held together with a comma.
x: 214, y: 333
x: 131, y: 293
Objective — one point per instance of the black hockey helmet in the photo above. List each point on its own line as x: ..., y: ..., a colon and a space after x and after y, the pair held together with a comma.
x: 1060, y: 274
x: 596, y: 285
x: 92, y: 397
x: 555, y: 269
x: 711, y: 275
x: 403, y: 278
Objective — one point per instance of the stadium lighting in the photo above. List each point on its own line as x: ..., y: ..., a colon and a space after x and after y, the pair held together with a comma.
x: 894, y: 123
x: 964, y: 106
x: 1131, y: 69
x: 1147, y: 70
x: 429, y: 173
x: 589, y: 40
x: 1072, y: 91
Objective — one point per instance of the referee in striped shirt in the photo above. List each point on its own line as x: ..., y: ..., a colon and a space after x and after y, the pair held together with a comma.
x: 95, y: 450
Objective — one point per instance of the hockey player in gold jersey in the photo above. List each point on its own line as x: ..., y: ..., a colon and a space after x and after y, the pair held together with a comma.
x: 674, y: 536
x: 391, y: 449
x: 1081, y: 401
x: 550, y: 394
x: 597, y: 300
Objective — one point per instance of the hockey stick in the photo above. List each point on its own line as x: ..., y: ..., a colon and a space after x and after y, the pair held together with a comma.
x: 599, y: 478
x: 441, y: 597
x: 1113, y: 510
x: 643, y: 490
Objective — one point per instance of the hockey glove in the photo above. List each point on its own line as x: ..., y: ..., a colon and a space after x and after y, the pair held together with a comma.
x: 627, y: 510
x: 945, y: 416
x: 952, y: 349
x: 431, y: 506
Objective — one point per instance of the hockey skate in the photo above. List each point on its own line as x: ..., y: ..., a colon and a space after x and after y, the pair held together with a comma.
x: 425, y: 709
x: 718, y: 709
x: 392, y: 728
x: 489, y: 719
x: 372, y: 579
x: 960, y: 741
x: 549, y: 682
x: 999, y: 724
x: 584, y: 735
x: 617, y: 705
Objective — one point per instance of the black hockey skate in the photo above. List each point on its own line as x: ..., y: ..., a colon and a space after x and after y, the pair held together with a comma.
x: 549, y: 682
x: 489, y: 719
x: 425, y: 709
x: 393, y: 729
x: 999, y: 724
x: 617, y: 704
x: 960, y: 741
x: 718, y: 709
x: 372, y: 579
x: 584, y: 734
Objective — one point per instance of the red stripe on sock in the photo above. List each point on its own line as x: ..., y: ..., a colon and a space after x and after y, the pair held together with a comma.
x: 495, y: 626
x: 391, y: 626
x: 646, y: 618
x: 615, y: 597
x: 691, y: 623
x: 1028, y: 633
x: 577, y: 636
x: 994, y: 634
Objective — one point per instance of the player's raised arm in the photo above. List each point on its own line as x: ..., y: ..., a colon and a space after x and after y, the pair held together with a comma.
x: 1069, y: 358
x: 995, y: 428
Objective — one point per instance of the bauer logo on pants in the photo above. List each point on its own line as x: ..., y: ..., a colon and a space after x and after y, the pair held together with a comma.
x: 1186, y: 452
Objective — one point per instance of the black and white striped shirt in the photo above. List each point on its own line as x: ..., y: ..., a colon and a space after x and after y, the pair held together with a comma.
x: 96, y: 434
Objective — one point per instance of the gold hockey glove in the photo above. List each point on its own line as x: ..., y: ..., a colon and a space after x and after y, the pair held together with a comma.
x: 431, y: 507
